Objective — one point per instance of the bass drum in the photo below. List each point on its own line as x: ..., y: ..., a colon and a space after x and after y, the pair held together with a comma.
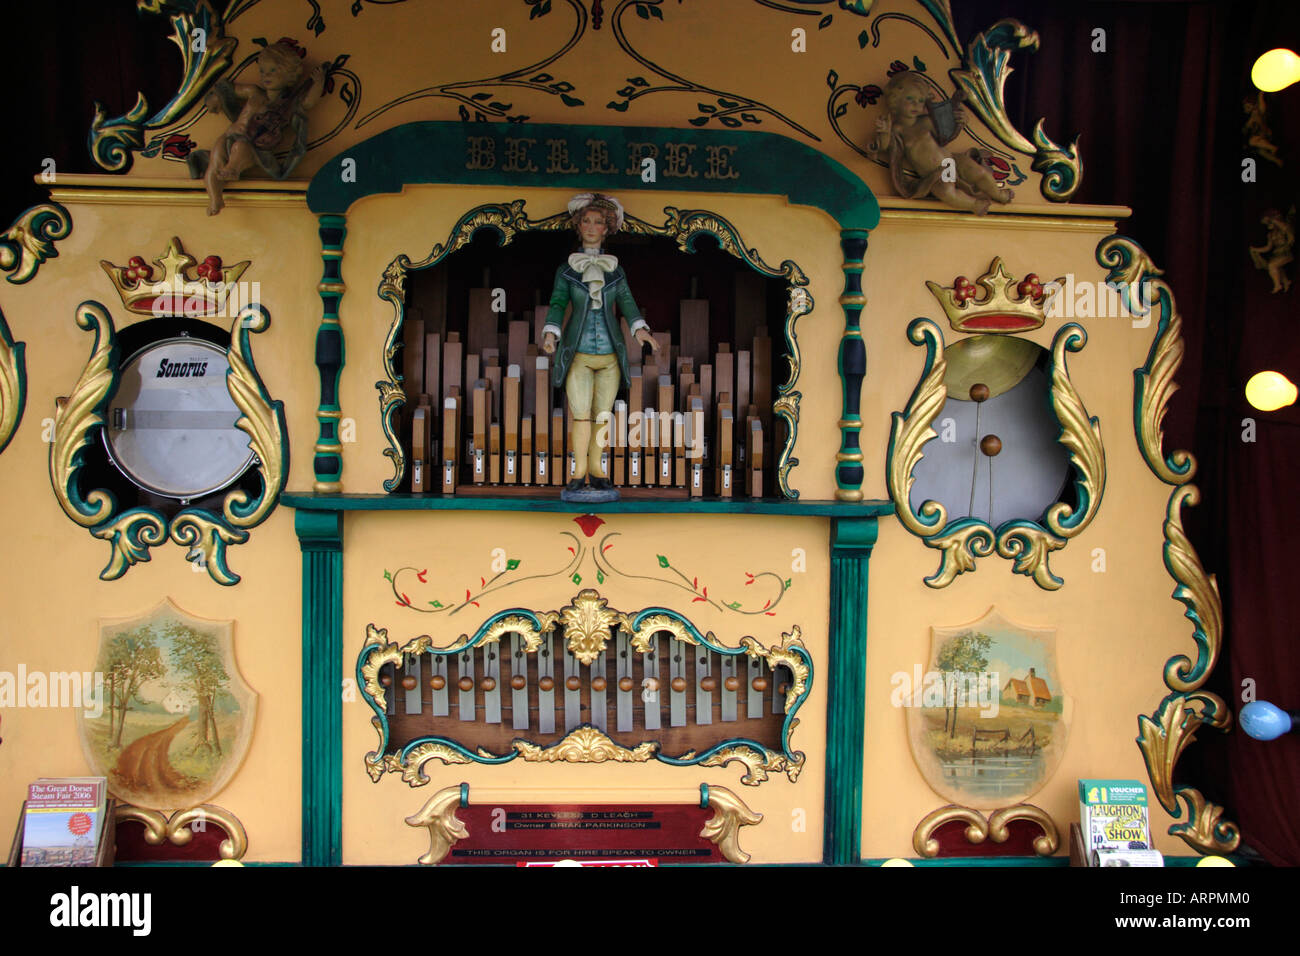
x: 170, y: 428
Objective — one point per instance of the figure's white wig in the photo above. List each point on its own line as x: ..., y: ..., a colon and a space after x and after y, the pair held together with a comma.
x: 583, y: 201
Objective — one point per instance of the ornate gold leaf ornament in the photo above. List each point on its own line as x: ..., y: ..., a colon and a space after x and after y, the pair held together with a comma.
x: 586, y: 625
x: 1027, y: 543
x: 979, y: 829
x: 1164, y: 735
x: 508, y: 220
x: 176, y: 828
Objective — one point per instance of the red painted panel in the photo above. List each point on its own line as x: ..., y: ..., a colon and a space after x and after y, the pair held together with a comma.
x: 666, y: 833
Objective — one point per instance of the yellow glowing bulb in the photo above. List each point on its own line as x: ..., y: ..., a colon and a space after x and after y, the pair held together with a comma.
x: 1269, y: 391
x: 1214, y: 861
x: 896, y: 861
x: 1275, y: 70
x: 227, y: 863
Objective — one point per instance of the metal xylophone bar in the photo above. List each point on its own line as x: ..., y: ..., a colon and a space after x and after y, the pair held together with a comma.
x: 622, y: 691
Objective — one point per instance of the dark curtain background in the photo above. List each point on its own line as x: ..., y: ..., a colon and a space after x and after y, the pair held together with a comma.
x: 1159, y: 114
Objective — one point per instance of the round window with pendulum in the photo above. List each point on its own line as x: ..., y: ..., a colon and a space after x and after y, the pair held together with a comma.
x: 997, y: 457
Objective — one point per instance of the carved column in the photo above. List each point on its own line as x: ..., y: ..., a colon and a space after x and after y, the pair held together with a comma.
x: 851, y: 542
x: 328, y: 463
x: 320, y: 536
x: 853, y: 368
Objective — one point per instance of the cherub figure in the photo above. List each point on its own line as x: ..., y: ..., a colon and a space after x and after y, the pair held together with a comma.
x: 1277, y: 251
x: 1258, y: 136
x: 914, y: 146
x: 592, y: 358
x: 260, y: 114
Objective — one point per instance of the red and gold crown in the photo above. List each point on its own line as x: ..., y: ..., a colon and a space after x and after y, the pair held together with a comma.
x: 996, y: 310
x: 180, y: 286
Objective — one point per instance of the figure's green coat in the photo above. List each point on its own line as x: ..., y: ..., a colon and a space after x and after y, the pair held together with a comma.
x: 570, y: 289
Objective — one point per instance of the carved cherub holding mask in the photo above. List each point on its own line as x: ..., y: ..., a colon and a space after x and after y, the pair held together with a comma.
x: 913, y: 145
x: 261, y: 113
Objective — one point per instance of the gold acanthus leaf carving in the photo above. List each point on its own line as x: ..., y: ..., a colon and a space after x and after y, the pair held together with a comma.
x: 131, y: 536
x: 758, y: 762
x: 910, y: 431
x: 586, y: 745
x: 1163, y: 737
x: 412, y: 769
x: 1206, y: 830
x: 784, y: 655
x: 643, y: 637
x: 513, y: 624
x: 381, y: 652
x: 1196, y: 589
x: 1080, y: 433
x: 445, y: 829
x: 261, y: 419
x: 586, y: 625
x: 79, y: 413
x: 723, y: 829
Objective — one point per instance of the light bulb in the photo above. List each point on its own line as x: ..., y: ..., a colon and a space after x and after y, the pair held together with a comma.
x: 1275, y: 70
x: 1269, y: 391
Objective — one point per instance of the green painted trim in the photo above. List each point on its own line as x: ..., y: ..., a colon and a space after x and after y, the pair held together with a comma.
x: 851, y: 363
x: 704, y: 796
x: 416, y: 502
x: 440, y: 153
x: 851, y: 542
x: 320, y: 536
x: 330, y: 354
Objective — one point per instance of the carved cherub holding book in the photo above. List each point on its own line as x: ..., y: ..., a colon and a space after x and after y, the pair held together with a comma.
x: 911, y: 137
x: 261, y: 113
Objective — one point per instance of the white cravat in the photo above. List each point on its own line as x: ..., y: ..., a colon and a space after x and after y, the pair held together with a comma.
x: 592, y: 267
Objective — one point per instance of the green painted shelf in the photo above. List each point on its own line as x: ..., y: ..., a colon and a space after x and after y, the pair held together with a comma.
x: 759, y: 506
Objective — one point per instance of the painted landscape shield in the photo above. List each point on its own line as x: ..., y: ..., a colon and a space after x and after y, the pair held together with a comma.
x: 177, y: 716
x: 988, y: 718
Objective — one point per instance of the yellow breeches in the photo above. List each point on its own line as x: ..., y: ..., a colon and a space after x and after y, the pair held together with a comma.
x: 591, y: 387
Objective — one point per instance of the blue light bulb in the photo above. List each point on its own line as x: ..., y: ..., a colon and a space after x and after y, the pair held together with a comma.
x: 1264, y: 721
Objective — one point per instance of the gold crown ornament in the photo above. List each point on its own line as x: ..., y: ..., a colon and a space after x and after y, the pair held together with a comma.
x: 185, y: 288
x: 996, y: 311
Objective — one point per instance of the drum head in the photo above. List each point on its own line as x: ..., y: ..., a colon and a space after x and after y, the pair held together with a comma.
x: 171, y: 426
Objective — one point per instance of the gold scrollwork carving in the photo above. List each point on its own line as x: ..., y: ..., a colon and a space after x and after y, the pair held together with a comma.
x: 439, y: 815
x: 511, y: 624
x: 923, y: 839
x: 643, y: 637
x: 131, y: 536
x: 784, y: 655
x: 113, y: 141
x: 758, y: 762
x: 723, y: 829
x: 979, y: 829
x: 380, y: 651
x: 412, y: 769
x: 261, y: 419
x: 176, y: 828
x: 26, y: 244
x: 76, y: 415
x: 392, y: 396
x: 1164, y: 736
x: 586, y: 745
x: 1045, y: 844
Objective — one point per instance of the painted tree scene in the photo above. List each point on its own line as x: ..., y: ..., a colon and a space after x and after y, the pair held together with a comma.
x: 989, y: 720
x: 177, y: 716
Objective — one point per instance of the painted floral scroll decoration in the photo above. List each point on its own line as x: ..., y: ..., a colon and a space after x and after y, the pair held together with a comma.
x: 585, y: 554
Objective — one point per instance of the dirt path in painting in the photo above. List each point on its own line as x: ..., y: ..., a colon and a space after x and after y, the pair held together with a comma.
x: 144, y: 764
